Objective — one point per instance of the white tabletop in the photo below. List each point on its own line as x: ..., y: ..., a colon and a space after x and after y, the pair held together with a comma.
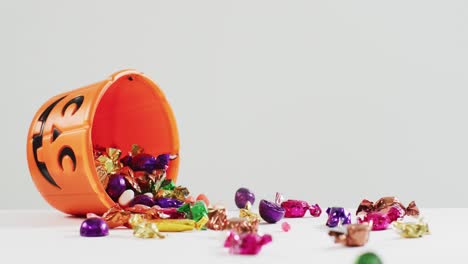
x: 52, y: 236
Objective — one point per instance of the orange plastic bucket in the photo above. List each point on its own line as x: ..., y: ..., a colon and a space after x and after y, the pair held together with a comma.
x: 127, y: 108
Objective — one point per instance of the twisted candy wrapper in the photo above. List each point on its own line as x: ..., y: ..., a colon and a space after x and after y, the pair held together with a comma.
x: 143, y: 228
x: 411, y: 229
x: 298, y: 208
x: 116, y: 216
x: 110, y: 160
x: 384, y: 204
x: 352, y: 235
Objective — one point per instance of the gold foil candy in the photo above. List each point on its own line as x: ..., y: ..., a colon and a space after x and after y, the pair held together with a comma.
x: 164, y: 225
x: 147, y: 230
x: 411, y: 229
x: 246, y: 213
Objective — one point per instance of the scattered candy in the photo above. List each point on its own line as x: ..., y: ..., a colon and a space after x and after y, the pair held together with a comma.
x: 338, y: 215
x: 271, y: 212
x: 246, y: 244
x: 244, y: 195
x: 411, y: 229
x: 149, y: 203
x: 352, y: 235
x: 297, y: 208
x: 368, y: 258
x: 94, y: 227
x: 285, y: 226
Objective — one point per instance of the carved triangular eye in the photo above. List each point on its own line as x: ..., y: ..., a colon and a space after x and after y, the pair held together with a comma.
x: 55, y: 133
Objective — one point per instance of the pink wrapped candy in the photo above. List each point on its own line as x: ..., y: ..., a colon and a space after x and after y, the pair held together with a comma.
x: 379, y: 221
x: 246, y: 244
x: 298, y: 208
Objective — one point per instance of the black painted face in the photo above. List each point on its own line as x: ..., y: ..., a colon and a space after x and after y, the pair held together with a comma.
x: 38, y: 138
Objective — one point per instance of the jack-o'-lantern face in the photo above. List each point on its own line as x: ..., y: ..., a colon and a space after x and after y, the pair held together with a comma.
x: 38, y: 137
x: 124, y: 110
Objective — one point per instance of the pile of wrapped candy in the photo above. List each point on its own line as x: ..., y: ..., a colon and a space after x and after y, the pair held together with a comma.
x: 150, y: 204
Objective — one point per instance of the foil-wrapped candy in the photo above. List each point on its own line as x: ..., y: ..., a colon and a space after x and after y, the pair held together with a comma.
x: 217, y: 219
x: 384, y: 204
x: 298, y: 208
x: 352, y: 235
x: 411, y: 229
x: 143, y: 228
x: 247, y: 213
x: 247, y: 243
x: 242, y: 225
x: 384, y: 211
x: 338, y: 216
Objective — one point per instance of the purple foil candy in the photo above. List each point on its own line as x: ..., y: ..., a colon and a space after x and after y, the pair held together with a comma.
x: 94, y: 227
x: 168, y: 203
x: 271, y: 212
x: 116, y: 186
x: 244, y: 195
x: 141, y: 199
x: 162, y: 161
x: 338, y: 215
x: 126, y: 161
x: 144, y: 162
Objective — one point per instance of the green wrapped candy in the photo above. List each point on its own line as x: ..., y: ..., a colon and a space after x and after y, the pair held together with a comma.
x: 186, y: 210
x: 199, y: 210
x: 368, y: 258
x: 168, y: 185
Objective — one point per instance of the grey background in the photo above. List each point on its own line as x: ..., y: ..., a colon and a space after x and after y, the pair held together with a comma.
x: 328, y: 101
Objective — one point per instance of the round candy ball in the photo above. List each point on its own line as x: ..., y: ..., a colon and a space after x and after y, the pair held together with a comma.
x: 270, y: 212
x: 368, y: 258
x: 244, y: 195
x: 94, y: 227
x: 285, y: 226
x: 116, y: 186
